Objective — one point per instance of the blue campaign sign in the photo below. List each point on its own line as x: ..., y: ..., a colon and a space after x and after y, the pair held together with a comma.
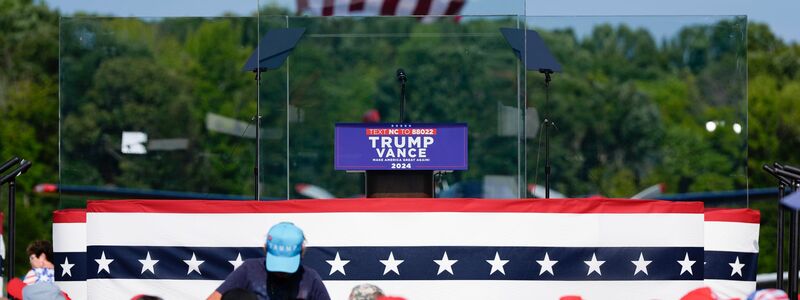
x: 400, y: 146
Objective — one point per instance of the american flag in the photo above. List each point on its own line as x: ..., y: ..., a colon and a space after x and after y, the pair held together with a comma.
x: 380, y: 7
x: 417, y: 248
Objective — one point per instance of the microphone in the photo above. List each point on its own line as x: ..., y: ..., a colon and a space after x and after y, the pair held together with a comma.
x: 772, y: 171
x: 401, y: 76
x: 787, y: 168
x: 24, y: 165
x: 8, y: 164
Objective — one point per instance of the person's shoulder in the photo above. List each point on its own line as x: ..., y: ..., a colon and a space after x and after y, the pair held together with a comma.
x: 308, y: 271
x: 30, y: 277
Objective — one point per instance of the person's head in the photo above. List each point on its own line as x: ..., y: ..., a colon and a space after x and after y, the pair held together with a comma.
x: 285, y: 243
x: 365, y: 291
x: 40, y: 253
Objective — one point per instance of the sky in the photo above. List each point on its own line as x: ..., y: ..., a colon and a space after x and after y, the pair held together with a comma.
x: 780, y: 15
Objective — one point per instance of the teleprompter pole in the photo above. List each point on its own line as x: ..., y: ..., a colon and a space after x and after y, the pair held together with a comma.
x: 12, y: 230
x: 258, y: 138
x: 547, y: 123
x: 781, y: 225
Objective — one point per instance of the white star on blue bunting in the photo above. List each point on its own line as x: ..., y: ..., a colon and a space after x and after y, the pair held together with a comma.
x: 445, y: 264
x: 337, y: 264
x: 148, y: 264
x: 641, y: 264
x: 391, y: 264
x: 594, y: 265
x: 497, y: 264
x: 546, y: 264
x: 103, y: 264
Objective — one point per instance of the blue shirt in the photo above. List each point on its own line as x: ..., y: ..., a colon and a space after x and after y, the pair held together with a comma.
x: 252, y: 276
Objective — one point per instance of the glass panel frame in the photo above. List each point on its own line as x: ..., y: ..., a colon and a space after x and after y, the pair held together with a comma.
x: 460, y: 70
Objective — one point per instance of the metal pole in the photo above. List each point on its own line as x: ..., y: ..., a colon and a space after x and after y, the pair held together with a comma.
x: 546, y: 137
x: 403, y: 102
x: 781, y: 227
x: 793, y: 239
x: 258, y: 136
x: 546, y: 161
x: 12, y: 231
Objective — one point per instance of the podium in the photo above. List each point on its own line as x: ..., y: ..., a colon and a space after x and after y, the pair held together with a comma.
x: 399, y: 184
x: 400, y: 159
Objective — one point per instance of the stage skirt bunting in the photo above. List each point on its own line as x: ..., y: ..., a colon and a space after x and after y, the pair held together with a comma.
x: 69, y: 251
x: 731, y: 251
x: 416, y: 248
x: 599, y: 248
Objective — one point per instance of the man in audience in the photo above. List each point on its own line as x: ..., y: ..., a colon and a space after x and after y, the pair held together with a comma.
x: 279, y: 275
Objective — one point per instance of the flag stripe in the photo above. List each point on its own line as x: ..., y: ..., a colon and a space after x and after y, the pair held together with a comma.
x: 731, y: 236
x: 75, y: 289
x: 439, y: 8
x: 327, y: 7
x: 423, y: 7
x: 69, y: 237
x: 356, y: 5
x: 729, y: 289
x: 579, y: 206
x: 379, y: 7
x: 418, y: 262
x: 389, y: 7
x: 69, y: 216
x: 740, y: 215
x: 165, y: 288
x: 406, y: 8
x: 302, y: 6
x: 403, y: 229
x: 472, y: 289
x: 717, y: 265
x: 77, y: 271
x: 454, y: 7
x: 717, y: 262
x: 419, y: 290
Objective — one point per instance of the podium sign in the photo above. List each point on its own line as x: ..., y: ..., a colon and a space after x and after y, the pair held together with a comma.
x: 406, y: 146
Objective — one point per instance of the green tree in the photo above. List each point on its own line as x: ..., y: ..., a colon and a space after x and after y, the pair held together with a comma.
x: 29, y: 111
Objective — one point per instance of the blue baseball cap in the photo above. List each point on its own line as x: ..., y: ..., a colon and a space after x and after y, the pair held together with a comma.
x: 284, y: 245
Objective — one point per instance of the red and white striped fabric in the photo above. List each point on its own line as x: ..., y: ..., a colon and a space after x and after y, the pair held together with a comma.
x: 122, y: 229
x: 380, y: 7
x: 731, y: 251
x: 69, y: 251
x: 416, y: 248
